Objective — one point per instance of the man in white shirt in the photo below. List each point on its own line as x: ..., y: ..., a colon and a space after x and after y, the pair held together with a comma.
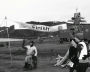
x: 31, y: 52
x: 83, y: 51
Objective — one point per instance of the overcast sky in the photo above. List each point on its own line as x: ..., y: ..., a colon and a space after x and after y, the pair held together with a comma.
x: 43, y: 10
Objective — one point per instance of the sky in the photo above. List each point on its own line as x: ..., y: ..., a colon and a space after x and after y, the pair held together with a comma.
x: 42, y: 10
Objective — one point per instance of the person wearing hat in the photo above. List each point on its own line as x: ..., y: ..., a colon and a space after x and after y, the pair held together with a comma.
x: 31, y: 52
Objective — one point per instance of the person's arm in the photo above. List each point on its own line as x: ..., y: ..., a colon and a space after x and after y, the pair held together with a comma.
x: 23, y: 45
x: 63, y: 59
x: 35, y: 49
x: 84, y: 61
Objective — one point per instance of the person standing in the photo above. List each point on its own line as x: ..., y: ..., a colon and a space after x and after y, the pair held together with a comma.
x: 73, y: 51
x: 77, y: 56
x: 83, y: 62
x: 31, y: 52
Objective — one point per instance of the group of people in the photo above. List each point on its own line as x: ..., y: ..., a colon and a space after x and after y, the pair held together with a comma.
x: 76, y: 57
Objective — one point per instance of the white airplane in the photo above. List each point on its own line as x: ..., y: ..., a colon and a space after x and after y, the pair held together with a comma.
x: 39, y: 29
x: 43, y: 26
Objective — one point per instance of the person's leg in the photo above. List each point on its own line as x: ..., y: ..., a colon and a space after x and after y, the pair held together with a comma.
x: 26, y: 62
x: 71, y: 70
x: 88, y: 64
x: 82, y: 67
x: 34, y: 61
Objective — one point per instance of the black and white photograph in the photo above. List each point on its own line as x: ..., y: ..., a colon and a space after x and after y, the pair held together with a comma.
x: 44, y: 36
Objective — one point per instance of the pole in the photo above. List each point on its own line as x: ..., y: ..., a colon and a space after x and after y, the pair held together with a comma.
x: 9, y: 41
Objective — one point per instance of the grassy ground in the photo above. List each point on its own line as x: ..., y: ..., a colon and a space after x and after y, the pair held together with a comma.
x: 46, y: 57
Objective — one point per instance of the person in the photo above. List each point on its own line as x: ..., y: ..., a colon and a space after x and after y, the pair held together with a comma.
x: 88, y: 45
x: 73, y: 52
x: 83, y: 62
x: 78, y: 61
x: 31, y: 52
x: 63, y: 62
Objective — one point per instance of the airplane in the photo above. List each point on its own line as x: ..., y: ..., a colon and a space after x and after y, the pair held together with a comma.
x: 43, y: 26
x: 77, y: 25
x: 35, y: 30
x: 40, y: 29
x: 51, y: 28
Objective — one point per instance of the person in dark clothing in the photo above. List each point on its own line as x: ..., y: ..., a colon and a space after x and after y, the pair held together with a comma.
x: 34, y: 58
x: 73, y: 57
x: 74, y: 52
x: 81, y: 64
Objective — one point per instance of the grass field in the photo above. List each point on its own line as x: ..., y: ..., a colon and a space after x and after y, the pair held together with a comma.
x: 47, y: 53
